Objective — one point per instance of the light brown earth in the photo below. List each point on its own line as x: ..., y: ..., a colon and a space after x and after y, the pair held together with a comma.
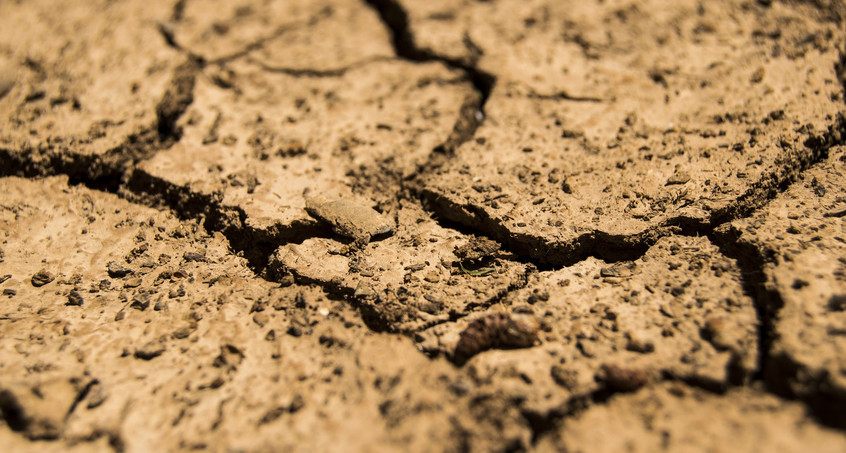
x: 348, y: 225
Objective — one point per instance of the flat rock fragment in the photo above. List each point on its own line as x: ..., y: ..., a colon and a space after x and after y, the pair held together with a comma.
x: 348, y: 218
x: 799, y: 239
x: 625, y: 129
x: 675, y: 417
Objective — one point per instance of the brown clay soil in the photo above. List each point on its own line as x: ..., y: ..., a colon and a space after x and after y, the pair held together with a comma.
x: 397, y: 225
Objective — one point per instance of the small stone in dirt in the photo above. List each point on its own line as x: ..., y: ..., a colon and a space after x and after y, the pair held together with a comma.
x: 9, y: 292
x: 496, y: 330
x: 5, y: 277
x: 679, y: 177
x: 837, y: 302
x: 97, y: 396
x: 116, y: 270
x: 347, y: 218
x: 74, y: 298
x: 477, y: 249
x: 286, y: 281
x: 564, y: 377
x: 183, y: 331
x: 42, y: 278
x: 140, y: 301
x: 261, y: 319
x: 176, y: 292
x: 618, y: 270
x: 150, y: 350
x: 295, y: 331
x: 622, y: 379
x: 133, y: 282
x: 637, y: 343
x: 191, y: 256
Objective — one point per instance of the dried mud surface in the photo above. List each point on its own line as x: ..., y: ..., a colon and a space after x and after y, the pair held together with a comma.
x: 464, y: 226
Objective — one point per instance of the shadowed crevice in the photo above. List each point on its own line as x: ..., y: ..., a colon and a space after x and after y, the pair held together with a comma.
x: 777, y: 371
x: 105, y: 171
x: 254, y: 245
x: 472, y: 113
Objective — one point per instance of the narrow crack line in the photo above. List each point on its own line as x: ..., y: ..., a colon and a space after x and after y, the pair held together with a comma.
x: 563, y: 96
x: 259, y: 43
x: 170, y: 39
x: 824, y: 404
x: 80, y: 396
x: 169, y: 36
x: 767, y: 301
x: 473, y: 219
x: 319, y: 73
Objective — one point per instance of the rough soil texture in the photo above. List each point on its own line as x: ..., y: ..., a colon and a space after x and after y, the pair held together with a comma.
x: 463, y: 226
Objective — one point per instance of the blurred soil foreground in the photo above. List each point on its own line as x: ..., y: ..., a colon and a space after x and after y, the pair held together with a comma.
x: 397, y: 225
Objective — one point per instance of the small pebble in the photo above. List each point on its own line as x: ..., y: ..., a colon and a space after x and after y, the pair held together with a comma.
x: 183, y: 332
x: 176, y: 292
x: 295, y: 331
x: 42, y: 278
x: 261, y: 319
x: 150, y: 350
x: 97, y: 396
x: 74, y: 298
x: 116, y: 270
x: 191, y: 256
x: 679, y: 177
x: 622, y: 379
x: 140, y: 301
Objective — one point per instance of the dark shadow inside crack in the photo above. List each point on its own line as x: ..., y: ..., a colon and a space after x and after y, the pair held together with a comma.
x: 776, y: 372
x: 472, y: 114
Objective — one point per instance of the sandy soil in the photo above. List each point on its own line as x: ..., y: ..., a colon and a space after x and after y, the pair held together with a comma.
x: 459, y: 226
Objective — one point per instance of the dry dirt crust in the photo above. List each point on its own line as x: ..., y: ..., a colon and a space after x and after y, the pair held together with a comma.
x: 434, y: 226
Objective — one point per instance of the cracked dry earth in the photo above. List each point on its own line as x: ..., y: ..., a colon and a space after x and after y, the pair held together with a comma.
x: 347, y: 225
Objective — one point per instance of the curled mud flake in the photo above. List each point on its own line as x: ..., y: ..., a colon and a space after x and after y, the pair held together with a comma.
x: 496, y: 331
x: 348, y: 218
